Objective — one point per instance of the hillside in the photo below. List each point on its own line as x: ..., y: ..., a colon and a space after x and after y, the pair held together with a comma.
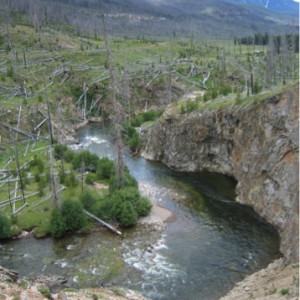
x: 160, y: 19
x: 60, y: 70
x: 281, y: 6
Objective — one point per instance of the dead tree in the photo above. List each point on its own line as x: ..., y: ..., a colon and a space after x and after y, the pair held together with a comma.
x: 283, y: 58
x: 120, y: 174
x: 24, y: 58
x: 250, y: 64
x: 52, y: 177
x: 84, y: 102
x: 126, y: 88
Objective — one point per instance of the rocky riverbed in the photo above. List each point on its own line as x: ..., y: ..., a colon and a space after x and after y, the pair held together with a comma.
x: 11, y: 288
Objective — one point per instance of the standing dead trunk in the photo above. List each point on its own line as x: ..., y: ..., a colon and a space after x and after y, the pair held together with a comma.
x: 251, y: 74
x: 52, y: 177
x: 120, y: 174
x: 24, y: 58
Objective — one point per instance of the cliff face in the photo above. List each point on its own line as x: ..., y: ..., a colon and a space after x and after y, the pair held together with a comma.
x: 257, y: 145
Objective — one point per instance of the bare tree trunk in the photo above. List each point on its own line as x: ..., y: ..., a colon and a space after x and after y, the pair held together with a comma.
x: 24, y: 58
x: 8, y: 191
x: 49, y: 115
x: 126, y: 88
x: 52, y: 177
x: 283, y: 58
x: 251, y: 75
x: 84, y: 102
x: 120, y: 175
x: 19, y: 171
x: 9, y: 43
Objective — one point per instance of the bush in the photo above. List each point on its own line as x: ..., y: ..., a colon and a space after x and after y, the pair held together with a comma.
x: 57, y: 224
x: 59, y: 151
x: 38, y: 164
x: 105, y: 168
x: 150, y: 115
x: 85, y: 159
x: 88, y: 201
x: 238, y: 99
x: 191, y: 105
x: 128, y: 180
x: 45, y: 292
x: 124, y: 206
x: 5, y: 224
x: 214, y: 93
x: 69, y: 155
x: 127, y: 216
x: 143, y: 207
x: 10, y: 71
x: 134, y: 142
x: 70, y: 180
x: 225, y: 90
x: 73, y: 215
x: 90, y: 178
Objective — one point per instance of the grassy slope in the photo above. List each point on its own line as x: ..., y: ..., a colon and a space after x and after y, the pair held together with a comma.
x: 81, y: 59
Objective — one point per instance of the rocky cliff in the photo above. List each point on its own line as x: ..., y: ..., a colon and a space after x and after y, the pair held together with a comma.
x: 257, y: 144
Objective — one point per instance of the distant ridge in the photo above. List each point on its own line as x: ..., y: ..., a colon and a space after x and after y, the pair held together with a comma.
x: 281, y: 6
x: 158, y: 19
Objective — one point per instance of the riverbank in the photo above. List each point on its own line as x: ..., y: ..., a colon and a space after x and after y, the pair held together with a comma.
x: 277, y: 282
x: 46, y: 288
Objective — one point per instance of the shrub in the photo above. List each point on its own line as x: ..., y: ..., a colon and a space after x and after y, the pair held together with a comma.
x: 90, y: 178
x: 134, y: 142
x: 143, y: 207
x: 61, y: 176
x: 10, y: 71
x: 191, y: 105
x: 59, y: 151
x: 238, y: 99
x: 45, y: 292
x: 88, y: 201
x: 5, y: 224
x: 214, y: 93
x: 70, y: 180
x: 69, y: 155
x: 86, y: 159
x: 124, y: 206
x: 257, y: 88
x: 115, y: 183
x: 73, y: 215
x: 127, y: 216
x: 284, y: 291
x: 57, y: 224
x: 38, y: 164
x: 105, y: 168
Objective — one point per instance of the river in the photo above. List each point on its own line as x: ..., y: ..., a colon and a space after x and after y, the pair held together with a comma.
x: 211, y: 243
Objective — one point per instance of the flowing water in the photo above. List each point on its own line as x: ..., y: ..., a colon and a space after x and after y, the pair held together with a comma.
x: 211, y: 243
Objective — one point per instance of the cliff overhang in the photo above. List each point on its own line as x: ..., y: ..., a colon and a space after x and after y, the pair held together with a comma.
x: 257, y: 144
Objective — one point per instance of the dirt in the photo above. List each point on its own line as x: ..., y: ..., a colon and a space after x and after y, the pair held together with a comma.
x: 277, y: 282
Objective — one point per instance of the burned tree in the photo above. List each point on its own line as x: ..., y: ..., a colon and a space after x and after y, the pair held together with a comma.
x: 120, y: 174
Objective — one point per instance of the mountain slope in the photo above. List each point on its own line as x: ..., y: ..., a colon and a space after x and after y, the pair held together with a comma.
x: 281, y: 6
x: 160, y: 18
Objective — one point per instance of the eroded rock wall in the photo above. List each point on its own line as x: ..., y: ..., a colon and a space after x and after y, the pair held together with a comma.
x: 257, y: 145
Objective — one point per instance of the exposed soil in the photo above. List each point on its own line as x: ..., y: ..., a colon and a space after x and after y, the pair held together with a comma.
x: 276, y: 282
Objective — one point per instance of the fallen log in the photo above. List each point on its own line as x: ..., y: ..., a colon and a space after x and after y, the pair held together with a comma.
x: 106, y: 225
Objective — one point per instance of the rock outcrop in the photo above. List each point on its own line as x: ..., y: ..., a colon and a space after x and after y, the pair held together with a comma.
x: 44, y: 288
x: 257, y: 144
